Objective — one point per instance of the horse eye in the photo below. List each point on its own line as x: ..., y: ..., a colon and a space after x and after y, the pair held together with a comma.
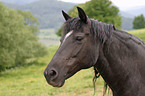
x: 79, y: 38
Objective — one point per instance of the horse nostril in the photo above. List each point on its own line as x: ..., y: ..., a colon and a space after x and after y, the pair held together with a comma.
x: 52, y: 73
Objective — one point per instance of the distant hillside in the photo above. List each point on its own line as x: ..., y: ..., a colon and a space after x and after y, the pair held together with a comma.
x: 127, y: 23
x: 127, y: 20
x: 49, y: 15
x: 128, y: 16
x: 18, y: 2
x: 48, y: 12
x: 137, y: 10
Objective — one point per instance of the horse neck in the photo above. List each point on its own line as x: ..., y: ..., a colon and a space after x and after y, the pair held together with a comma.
x: 116, y: 68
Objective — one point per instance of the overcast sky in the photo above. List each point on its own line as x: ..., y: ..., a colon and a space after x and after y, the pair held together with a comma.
x: 122, y: 4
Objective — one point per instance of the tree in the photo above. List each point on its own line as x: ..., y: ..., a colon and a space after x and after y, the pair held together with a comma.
x: 101, y: 10
x: 18, y: 39
x: 139, y: 22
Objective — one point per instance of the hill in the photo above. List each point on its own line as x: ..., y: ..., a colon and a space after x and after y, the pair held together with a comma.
x: 18, y: 2
x: 127, y: 20
x: 49, y: 15
x: 136, y: 10
x: 128, y: 16
x: 127, y: 23
x: 48, y: 12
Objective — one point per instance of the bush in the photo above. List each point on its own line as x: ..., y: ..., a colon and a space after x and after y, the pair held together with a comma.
x: 139, y: 22
x: 18, y: 40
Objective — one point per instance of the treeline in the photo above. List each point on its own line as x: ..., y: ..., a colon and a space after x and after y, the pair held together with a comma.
x: 139, y: 22
x: 18, y: 38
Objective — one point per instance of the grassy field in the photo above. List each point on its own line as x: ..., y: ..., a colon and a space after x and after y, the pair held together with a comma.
x: 139, y: 33
x: 29, y: 80
x: 48, y: 37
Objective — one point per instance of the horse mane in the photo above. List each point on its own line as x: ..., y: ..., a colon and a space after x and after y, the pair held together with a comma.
x: 101, y: 31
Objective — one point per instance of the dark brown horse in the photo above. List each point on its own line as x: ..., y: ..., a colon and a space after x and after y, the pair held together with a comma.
x: 118, y: 56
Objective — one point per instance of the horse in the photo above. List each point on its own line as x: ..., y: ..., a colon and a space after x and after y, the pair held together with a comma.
x: 119, y: 57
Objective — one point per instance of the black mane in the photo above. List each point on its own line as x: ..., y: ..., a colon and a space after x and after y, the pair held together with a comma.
x: 101, y: 31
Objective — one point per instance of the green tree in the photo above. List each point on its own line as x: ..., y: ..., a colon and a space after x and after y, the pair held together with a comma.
x: 139, y: 22
x: 18, y: 39
x: 101, y: 10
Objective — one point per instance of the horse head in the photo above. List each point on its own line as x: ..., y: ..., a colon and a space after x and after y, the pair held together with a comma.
x: 76, y: 51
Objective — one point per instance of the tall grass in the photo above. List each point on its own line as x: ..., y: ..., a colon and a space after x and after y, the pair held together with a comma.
x: 29, y: 81
x: 139, y: 33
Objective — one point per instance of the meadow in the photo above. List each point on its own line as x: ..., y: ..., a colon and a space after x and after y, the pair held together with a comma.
x: 29, y: 80
x: 48, y: 37
x: 139, y: 33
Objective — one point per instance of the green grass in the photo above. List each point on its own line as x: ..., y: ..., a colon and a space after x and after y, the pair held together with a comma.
x: 48, y: 37
x: 139, y: 33
x: 48, y: 34
x: 29, y: 80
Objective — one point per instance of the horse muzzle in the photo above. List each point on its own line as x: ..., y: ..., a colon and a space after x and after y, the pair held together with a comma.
x: 51, y: 78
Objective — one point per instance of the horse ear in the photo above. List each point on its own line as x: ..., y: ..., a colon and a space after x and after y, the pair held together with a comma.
x: 65, y: 15
x: 82, y: 14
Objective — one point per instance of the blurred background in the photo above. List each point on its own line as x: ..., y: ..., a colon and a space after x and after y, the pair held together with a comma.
x: 30, y: 31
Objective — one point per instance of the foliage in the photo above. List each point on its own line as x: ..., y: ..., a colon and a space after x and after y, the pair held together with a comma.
x: 19, y: 42
x: 59, y: 32
x: 101, y: 10
x: 139, y: 22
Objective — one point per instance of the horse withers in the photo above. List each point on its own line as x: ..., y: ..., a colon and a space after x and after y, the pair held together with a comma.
x: 118, y: 56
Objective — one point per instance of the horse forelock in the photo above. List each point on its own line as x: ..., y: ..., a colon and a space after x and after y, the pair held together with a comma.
x: 72, y: 24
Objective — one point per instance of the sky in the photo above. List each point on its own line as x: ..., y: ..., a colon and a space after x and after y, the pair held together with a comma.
x: 122, y: 4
